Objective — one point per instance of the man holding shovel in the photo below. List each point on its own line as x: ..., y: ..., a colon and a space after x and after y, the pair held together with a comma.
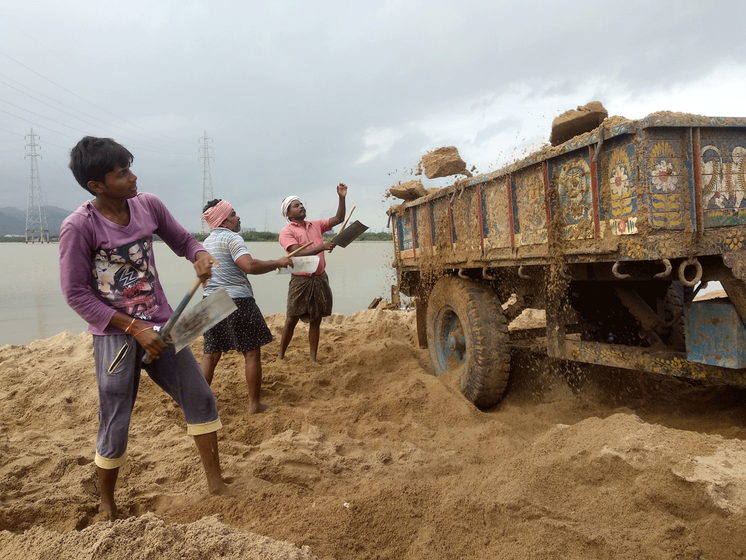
x: 245, y: 329
x: 98, y: 236
x: 309, y: 294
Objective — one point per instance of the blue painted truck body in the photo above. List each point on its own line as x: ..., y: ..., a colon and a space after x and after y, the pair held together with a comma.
x: 624, y: 214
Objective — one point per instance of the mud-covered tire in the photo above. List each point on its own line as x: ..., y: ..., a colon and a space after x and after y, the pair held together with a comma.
x: 467, y: 336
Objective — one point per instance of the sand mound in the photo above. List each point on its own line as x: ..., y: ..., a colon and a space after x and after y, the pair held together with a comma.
x: 367, y: 455
x: 142, y: 538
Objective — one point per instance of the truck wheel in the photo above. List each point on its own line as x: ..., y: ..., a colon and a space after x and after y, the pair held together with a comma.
x: 467, y: 336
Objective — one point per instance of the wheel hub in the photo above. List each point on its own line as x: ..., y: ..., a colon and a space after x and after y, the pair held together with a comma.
x: 452, y: 340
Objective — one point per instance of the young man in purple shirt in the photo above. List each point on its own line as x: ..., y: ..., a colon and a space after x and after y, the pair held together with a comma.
x: 109, y: 277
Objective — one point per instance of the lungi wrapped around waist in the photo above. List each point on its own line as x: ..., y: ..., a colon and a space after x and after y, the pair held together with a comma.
x: 309, y: 297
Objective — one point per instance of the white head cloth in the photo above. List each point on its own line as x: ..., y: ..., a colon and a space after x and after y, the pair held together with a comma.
x: 286, y: 205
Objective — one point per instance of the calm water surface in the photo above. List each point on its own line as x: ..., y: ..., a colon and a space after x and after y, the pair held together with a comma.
x: 32, y: 306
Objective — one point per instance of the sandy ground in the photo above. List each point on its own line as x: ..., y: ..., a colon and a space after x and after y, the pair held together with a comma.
x: 367, y: 455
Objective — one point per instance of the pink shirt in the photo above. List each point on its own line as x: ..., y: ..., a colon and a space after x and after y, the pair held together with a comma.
x: 296, y: 234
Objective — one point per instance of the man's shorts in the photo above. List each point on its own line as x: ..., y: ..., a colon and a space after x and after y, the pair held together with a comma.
x: 118, y: 362
x: 243, y: 330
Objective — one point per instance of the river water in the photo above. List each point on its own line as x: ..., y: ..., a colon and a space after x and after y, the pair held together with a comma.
x: 32, y: 306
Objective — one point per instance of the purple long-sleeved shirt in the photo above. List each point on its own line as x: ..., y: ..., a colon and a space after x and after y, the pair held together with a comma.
x: 105, y: 267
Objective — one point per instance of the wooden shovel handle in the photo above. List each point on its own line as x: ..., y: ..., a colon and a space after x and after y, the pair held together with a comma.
x: 344, y: 225
x: 299, y: 249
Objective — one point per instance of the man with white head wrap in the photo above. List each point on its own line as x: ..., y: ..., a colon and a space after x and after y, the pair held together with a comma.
x: 244, y: 330
x: 309, y: 295
x: 285, y: 206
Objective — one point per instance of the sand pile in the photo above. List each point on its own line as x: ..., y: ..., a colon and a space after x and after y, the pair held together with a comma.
x: 367, y: 455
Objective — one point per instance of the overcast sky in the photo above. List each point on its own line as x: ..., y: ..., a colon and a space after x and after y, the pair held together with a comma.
x: 297, y: 96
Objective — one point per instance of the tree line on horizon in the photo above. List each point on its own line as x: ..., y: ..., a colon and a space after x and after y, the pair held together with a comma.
x: 258, y: 236
x: 251, y: 236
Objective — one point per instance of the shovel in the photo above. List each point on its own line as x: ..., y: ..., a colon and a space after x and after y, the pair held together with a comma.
x: 349, y: 234
x: 180, y: 331
x: 146, y: 359
x: 203, y: 316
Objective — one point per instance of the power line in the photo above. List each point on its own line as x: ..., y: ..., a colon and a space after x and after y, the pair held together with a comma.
x: 79, y: 97
x: 51, y: 51
x: 37, y: 124
x: 38, y: 115
x: 10, y: 132
x: 133, y: 143
x: 103, y: 122
x: 59, y: 103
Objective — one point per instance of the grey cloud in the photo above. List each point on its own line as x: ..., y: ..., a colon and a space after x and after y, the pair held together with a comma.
x: 286, y: 90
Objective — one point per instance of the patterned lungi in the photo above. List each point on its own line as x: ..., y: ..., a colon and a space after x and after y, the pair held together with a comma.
x: 242, y: 330
x: 309, y: 297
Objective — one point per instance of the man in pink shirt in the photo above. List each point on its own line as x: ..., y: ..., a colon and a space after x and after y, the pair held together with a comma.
x: 309, y: 295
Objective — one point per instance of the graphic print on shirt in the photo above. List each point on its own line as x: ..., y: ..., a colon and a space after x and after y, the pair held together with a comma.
x: 125, y: 278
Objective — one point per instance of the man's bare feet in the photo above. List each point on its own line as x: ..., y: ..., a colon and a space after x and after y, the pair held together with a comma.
x: 219, y: 489
x: 105, y: 513
x: 261, y: 407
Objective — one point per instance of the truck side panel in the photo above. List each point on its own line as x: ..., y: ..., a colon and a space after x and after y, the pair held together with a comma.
x: 530, y: 225
x: 575, y: 178
x: 656, y: 189
x: 620, y: 171
x: 723, y: 184
x: 497, y: 215
x: 668, y: 185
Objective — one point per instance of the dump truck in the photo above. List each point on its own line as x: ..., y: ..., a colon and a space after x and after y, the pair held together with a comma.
x: 611, y: 233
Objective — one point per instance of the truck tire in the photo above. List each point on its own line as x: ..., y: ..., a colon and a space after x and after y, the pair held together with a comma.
x: 467, y: 336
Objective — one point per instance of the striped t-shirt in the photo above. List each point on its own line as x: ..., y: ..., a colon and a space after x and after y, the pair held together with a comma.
x: 226, y: 246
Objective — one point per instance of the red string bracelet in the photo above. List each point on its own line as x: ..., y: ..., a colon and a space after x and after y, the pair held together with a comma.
x: 142, y: 331
x: 129, y: 327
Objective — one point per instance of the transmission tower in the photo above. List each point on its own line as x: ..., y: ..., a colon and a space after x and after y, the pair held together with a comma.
x: 36, y: 220
x: 206, y: 178
x: 266, y: 219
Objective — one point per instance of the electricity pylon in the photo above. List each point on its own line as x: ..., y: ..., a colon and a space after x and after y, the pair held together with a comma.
x: 36, y: 220
x: 206, y: 179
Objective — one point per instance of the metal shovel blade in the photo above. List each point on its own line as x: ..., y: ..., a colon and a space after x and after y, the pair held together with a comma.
x: 206, y: 314
x: 349, y: 234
